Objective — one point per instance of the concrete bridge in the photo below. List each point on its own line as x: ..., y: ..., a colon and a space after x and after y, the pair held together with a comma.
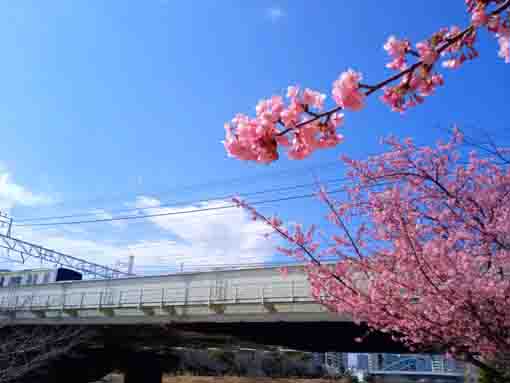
x: 259, y: 304
x: 260, y: 294
x: 222, y: 307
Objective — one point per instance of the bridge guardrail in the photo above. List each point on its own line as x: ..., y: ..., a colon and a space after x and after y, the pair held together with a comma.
x: 277, y: 292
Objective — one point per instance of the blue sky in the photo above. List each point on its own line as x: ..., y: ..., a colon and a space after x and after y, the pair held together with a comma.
x: 114, y: 105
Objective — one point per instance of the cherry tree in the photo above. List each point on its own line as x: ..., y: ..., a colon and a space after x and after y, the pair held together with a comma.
x: 428, y: 259
x: 422, y: 234
x: 26, y: 350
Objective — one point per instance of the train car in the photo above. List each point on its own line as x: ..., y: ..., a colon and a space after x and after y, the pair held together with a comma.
x: 37, y: 276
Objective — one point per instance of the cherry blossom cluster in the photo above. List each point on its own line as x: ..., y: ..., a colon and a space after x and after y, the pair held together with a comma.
x: 427, y: 254
x: 420, y: 79
x: 299, y: 122
x: 497, y: 23
x: 258, y: 138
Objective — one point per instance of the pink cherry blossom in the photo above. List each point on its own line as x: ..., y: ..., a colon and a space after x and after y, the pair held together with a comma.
x: 336, y: 119
x: 397, y: 49
x: 452, y: 63
x: 479, y: 17
x: 394, y: 98
x: 411, y: 91
x: 252, y: 140
x: 427, y: 53
x: 313, y: 98
x: 504, y: 48
x: 292, y: 91
x: 346, y: 91
x: 304, y: 142
x: 493, y: 23
x: 290, y: 116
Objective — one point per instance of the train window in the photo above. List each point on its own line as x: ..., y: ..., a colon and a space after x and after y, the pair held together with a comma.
x: 46, y: 278
x: 2, y: 279
x: 34, y: 281
x: 29, y: 279
x: 14, y: 281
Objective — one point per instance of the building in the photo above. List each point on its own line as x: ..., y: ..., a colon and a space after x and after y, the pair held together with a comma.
x: 410, y: 362
x: 438, y: 363
x: 423, y: 363
x: 374, y: 362
x: 441, y: 363
x: 361, y: 362
x: 391, y: 361
x: 335, y: 362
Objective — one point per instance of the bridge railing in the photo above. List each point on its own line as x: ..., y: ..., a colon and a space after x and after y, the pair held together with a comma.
x: 276, y: 292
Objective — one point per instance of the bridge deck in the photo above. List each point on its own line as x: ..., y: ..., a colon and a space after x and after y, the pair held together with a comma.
x: 235, y: 295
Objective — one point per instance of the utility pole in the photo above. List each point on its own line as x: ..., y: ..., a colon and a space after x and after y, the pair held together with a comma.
x: 131, y: 263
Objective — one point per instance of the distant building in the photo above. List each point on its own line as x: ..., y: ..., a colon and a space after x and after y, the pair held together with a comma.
x: 390, y: 361
x: 335, y: 362
x: 374, y: 362
x: 361, y: 362
x: 408, y: 362
x: 438, y: 363
x: 441, y: 363
x: 423, y: 363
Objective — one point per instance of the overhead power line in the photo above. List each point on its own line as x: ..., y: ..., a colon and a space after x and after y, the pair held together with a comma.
x: 90, y: 213
x: 198, y: 186
x: 177, y: 203
x: 181, y: 212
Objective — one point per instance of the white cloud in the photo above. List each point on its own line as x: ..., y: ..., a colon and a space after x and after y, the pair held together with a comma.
x: 274, y: 13
x: 144, y: 202
x: 219, y: 235
x: 208, y: 238
x: 12, y: 194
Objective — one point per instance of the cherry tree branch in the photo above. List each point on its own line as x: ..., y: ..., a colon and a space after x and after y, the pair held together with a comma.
x: 370, y: 89
x: 284, y: 234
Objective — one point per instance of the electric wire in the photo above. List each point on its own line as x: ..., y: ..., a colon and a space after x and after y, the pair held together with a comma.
x: 199, y: 186
x: 167, y: 214
x: 188, y: 202
x: 182, y: 212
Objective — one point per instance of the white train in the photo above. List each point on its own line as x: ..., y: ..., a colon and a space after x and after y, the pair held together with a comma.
x: 37, y: 276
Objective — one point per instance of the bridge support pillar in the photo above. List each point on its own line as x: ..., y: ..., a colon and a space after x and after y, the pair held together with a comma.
x: 143, y: 368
